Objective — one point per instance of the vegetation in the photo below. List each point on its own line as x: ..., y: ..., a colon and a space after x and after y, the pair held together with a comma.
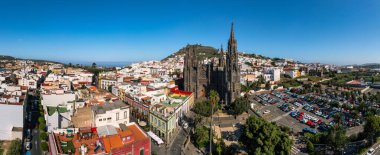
x: 69, y: 148
x: 372, y: 126
x: 44, y: 146
x: 15, y: 147
x: 239, y: 106
x: 43, y: 136
x: 204, y: 108
x: 256, y: 85
x: 290, y: 83
x: 201, y: 136
x: 335, y: 139
x: 262, y: 137
x: 203, y: 51
x: 42, y: 126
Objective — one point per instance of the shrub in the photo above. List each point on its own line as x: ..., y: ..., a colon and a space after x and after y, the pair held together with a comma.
x: 44, y: 146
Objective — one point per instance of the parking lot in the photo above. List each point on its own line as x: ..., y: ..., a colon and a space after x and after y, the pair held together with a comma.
x: 308, y: 112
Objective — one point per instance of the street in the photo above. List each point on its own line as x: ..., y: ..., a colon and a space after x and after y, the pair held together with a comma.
x: 31, y: 120
x: 36, y: 149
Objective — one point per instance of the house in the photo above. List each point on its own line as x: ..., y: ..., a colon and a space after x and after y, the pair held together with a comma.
x: 126, y: 139
x: 110, y: 114
x: 165, y: 116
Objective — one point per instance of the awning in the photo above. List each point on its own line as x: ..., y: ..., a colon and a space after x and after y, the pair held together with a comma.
x: 155, y: 137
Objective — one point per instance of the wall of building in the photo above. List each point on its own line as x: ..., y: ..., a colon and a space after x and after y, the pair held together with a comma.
x: 110, y: 117
x: 7, y: 123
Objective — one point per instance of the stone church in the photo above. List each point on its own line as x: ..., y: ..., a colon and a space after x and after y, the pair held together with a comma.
x: 221, y: 74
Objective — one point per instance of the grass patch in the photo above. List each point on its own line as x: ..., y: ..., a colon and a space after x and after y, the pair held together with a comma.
x: 68, y: 147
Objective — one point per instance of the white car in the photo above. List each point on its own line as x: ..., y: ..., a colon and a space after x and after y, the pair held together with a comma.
x: 185, y: 125
x: 266, y: 112
x: 370, y: 151
x: 28, y: 145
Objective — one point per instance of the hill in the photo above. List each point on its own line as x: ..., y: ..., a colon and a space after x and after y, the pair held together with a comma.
x: 204, y: 51
x: 6, y: 57
x: 371, y: 65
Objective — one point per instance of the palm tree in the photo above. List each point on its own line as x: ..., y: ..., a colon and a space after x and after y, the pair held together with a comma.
x: 214, y: 99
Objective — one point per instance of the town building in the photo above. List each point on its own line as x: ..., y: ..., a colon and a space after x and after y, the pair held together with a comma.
x: 111, y: 114
x: 224, y: 76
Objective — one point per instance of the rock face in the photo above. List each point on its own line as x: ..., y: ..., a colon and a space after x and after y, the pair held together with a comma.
x: 222, y: 75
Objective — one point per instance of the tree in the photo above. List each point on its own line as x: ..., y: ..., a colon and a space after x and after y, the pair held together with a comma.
x: 203, y: 108
x: 41, y: 120
x: 214, y: 99
x: 44, y: 146
x: 336, y: 138
x: 70, y: 64
x: 43, y: 135
x: 15, y: 147
x: 42, y: 126
x: 201, y: 136
x: 93, y: 65
x: 239, y: 105
x: 310, y: 147
x: 262, y: 137
x: 219, y: 149
x: 372, y: 126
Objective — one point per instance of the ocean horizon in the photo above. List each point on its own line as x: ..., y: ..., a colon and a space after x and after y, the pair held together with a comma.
x: 102, y: 63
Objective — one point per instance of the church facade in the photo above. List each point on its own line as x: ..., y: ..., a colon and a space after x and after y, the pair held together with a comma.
x: 222, y: 75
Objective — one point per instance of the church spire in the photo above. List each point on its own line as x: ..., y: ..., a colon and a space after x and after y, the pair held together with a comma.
x: 232, y: 41
x: 232, y: 34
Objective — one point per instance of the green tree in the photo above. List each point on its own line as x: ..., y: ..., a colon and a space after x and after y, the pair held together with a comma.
x: 203, y: 108
x: 372, y: 126
x: 239, y: 105
x: 41, y: 120
x: 15, y: 147
x: 336, y: 138
x: 201, y: 136
x: 44, y: 146
x: 310, y: 147
x: 262, y: 137
x: 42, y: 126
x: 43, y: 135
x: 214, y: 99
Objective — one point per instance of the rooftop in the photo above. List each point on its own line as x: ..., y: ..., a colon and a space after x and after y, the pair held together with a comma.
x: 101, y: 109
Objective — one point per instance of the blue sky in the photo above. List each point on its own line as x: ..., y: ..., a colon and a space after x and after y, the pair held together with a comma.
x: 327, y: 31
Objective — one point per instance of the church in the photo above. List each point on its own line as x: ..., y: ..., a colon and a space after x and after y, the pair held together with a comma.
x: 221, y: 75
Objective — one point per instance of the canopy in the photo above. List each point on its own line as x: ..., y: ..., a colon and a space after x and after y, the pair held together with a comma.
x: 155, y: 137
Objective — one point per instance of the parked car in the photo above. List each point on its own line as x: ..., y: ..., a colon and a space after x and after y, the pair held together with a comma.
x: 309, y: 130
x: 28, y: 145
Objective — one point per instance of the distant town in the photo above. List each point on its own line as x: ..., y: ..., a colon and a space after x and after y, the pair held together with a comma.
x: 199, y: 100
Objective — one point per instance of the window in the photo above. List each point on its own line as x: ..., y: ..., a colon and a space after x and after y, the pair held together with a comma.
x: 117, y: 116
x: 142, y: 151
x: 100, y: 120
x: 125, y: 114
x: 109, y: 118
x: 104, y: 119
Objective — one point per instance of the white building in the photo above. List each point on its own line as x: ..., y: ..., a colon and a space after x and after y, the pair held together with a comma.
x: 11, y: 118
x: 110, y: 114
x: 105, y: 83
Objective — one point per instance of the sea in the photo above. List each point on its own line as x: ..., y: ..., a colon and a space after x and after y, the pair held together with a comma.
x: 103, y: 63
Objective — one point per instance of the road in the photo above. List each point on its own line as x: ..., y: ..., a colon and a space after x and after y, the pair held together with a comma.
x: 31, y: 123
x: 376, y: 147
x: 36, y: 149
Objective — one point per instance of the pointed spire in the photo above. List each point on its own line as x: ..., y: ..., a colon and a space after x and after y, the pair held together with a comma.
x: 221, y: 48
x: 232, y: 35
